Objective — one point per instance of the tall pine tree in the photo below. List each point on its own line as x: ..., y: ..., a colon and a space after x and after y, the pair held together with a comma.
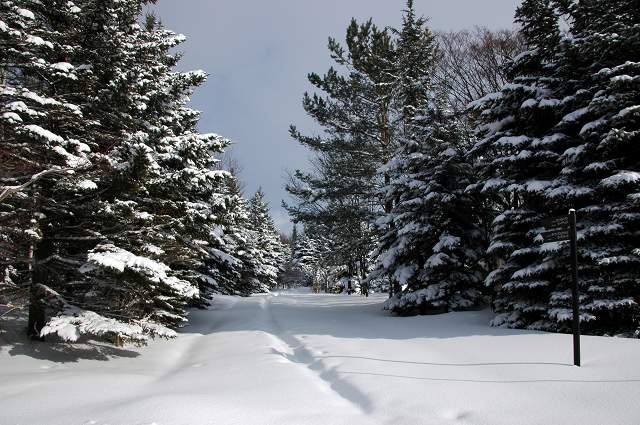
x: 559, y: 137
x: 431, y: 243
x: 601, y: 166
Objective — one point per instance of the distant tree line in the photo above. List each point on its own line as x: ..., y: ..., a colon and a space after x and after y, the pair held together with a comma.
x: 444, y: 155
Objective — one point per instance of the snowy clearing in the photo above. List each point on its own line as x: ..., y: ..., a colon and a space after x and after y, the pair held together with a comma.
x: 300, y: 358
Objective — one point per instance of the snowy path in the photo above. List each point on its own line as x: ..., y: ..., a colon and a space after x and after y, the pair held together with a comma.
x: 299, y: 358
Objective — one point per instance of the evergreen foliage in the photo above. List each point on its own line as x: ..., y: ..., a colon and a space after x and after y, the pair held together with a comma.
x: 517, y: 163
x: 558, y: 134
x: 271, y: 253
x: 116, y: 216
x: 559, y: 137
x: 598, y: 65
x: 341, y: 196
x: 431, y: 246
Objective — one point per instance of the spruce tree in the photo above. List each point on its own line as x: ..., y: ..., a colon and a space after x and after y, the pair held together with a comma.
x: 518, y: 157
x: 431, y: 246
x: 271, y: 252
x: 162, y: 200
x: 244, y: 242
x: 305, y: 258
x: 43, y: 136
x: 119, y: 242
x: 559, y: 137
x: 600, y: 177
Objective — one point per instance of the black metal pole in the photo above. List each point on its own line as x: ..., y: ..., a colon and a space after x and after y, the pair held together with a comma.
x: 573, y: 236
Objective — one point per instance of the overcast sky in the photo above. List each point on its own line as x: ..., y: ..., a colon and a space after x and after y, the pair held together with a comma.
x: 258, y: 53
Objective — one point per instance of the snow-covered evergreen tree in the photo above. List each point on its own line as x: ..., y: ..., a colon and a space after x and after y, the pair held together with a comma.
x: 434, y: 247
x: 270, y: 251
x: 42, y: 128
x: 253, y: 273
x: 305, y: 258
x: 518, y: 155
x: 601, y: 165
x: 354, y: 108
x: 120, y: 243
x: 431, y: 245
x: 559, y: 137
x: 294, y: 238
x: 161, y: 203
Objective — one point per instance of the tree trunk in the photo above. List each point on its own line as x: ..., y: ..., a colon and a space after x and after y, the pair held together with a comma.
x: 388, y: 207
x: 39, y: 275
x: 351, y: 272
x: 364, y: 287
x: 38, y: 251
x: 37, y: 318
x: 396, y: 287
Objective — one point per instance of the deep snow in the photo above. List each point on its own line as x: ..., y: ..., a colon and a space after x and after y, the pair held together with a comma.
x: 299, y: 358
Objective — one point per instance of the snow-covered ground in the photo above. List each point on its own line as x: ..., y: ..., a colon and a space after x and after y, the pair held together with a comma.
x: 298, y: 358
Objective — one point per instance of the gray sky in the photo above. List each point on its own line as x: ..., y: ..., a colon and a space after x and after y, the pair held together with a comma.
x: 259, y: 52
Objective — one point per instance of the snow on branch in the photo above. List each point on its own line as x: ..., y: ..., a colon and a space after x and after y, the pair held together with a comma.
x: 7, y: 191
x: 111, y: 257
x: 72, y: 322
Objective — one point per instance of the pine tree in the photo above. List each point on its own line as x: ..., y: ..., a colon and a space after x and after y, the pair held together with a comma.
x: 356, y: 113
x: 93, y: 236
x: 160, y: 204
x: 43, y: 141
x: 315, y: 257
x: 431, y: 243
x: 518, y: 155
x: 559, y: 137
x: 242, y: 272
x: 294, y: 239
x: 119, y: 246
x: 305, y: 259
x: 601, y: 165
x: 434, y: 248
x: 271, y: 252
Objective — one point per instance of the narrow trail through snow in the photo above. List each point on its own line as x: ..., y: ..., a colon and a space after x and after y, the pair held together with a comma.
x: 299, y: 358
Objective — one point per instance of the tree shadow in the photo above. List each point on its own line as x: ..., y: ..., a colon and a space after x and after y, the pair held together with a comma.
x: 61, y: 352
